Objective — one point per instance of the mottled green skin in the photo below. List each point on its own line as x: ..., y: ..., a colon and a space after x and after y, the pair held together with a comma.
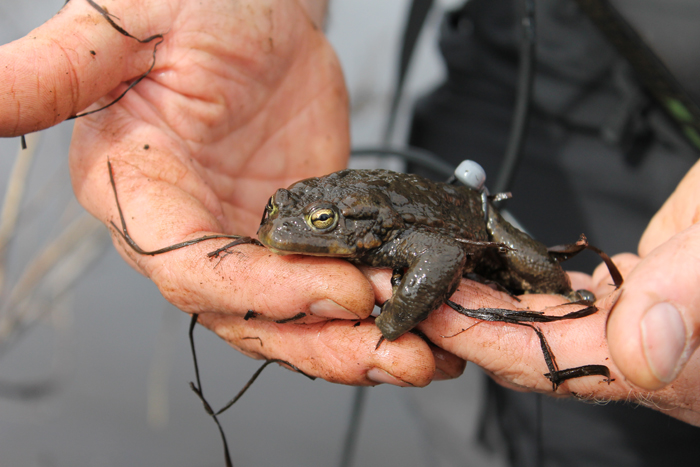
x: 408, y: 223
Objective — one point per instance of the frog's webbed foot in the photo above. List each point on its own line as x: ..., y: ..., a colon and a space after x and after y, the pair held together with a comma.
x: 564, y: 252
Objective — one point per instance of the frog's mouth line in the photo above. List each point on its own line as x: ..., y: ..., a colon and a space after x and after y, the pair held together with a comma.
x: 306, y: 253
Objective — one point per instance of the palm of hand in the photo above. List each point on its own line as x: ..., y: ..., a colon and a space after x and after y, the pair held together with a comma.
x: 229, y: 113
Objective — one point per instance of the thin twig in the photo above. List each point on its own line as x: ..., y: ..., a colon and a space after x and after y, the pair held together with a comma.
x: 42, y: 264
x: 121, y: 30
x: 14, y: 194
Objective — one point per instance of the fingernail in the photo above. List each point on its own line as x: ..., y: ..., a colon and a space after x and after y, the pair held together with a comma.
x: 664, y: 339
x: 380, y: 376
x: 440, y: 375
x: 329, y: 309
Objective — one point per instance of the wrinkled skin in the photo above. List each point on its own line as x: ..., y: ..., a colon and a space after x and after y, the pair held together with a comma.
x: 430, y: 234
x: 256, y: 135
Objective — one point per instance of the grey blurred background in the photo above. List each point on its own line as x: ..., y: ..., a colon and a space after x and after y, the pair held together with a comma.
x: 95, y: 365
x: 99, y: 375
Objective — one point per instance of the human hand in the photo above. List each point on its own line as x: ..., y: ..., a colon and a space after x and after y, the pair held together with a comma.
x: 512, y: 354
x: 245, y: 97
x: 654, y: 329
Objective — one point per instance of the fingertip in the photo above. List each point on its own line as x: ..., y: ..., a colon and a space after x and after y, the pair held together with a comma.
x: 348, y: 288
x: 332, y: 288
x: 380, y: 376
x: 665, y: 341
x: 649, y: 342
x: 327, y: 308
x: 623, y: 333
x: 408, y: 359
x: 580, y: 280
x: 447, y: 365
x: 338, y: 351
x: 380, y: 281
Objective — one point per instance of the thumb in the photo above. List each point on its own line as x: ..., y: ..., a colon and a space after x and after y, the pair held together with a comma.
x: 65, y: 65
x: 654, y: 327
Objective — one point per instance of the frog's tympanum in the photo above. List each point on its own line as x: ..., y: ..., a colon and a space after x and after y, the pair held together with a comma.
x: 431, y: 234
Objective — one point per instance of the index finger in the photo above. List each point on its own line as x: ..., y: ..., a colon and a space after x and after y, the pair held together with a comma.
x: 66, y: 64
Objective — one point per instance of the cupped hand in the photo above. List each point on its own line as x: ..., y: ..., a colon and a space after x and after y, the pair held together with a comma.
x: 513, y: 356
x: 245, y: 97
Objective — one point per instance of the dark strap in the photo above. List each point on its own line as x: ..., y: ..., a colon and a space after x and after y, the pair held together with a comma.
x: 651, y: 71
x: 414, y: 25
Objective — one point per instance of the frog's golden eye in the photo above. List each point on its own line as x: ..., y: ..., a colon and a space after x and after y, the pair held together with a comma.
x: 323, y: 219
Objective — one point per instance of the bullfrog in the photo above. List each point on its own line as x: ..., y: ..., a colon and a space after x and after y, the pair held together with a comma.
x: 431, y: 234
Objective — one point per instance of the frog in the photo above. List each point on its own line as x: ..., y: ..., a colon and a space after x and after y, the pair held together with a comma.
x: 431, y: 234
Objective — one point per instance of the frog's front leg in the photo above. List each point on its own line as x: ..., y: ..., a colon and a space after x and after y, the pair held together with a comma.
x: 434, y: 265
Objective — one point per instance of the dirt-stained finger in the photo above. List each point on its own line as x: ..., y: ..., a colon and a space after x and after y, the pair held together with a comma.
x: 66, y: 64
x: 340, y: 351
x: 250, y: 278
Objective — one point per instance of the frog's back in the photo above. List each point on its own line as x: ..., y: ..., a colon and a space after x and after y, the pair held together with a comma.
x: 450, y: 209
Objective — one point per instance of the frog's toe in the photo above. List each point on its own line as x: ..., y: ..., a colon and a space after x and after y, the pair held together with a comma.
x: 389, y: 330
x: 583, y: 296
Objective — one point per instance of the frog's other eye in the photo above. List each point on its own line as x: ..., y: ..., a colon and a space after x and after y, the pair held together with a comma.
x: 323, y: 219
x: 270, y: 209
